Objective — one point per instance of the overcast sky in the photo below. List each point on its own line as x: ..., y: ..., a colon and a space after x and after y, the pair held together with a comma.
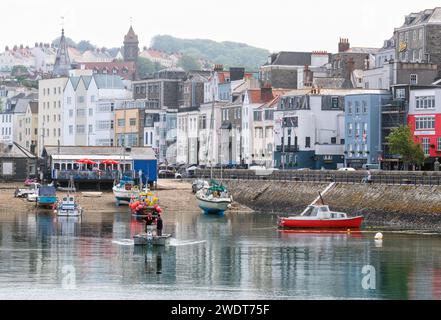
x: 272, y: 24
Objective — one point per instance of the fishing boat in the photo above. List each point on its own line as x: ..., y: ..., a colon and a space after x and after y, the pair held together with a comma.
x: 151, y: 238
x: 215, y: 199
x: 125, y: 190
x: 68, y: 207
x: 47, y: 196
x: 144, y: 204
x: 319, y: 216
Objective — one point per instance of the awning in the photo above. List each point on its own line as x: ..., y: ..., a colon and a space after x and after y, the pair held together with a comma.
x: 91, y: 157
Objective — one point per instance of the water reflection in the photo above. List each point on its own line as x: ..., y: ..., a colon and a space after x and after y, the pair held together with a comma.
x: 231, y: 256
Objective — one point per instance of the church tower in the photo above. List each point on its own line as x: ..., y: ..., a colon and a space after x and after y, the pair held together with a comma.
x: 131, y: 46
x: 62, y: 62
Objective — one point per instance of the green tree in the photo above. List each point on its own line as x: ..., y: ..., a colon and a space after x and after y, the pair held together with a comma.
x: 144, y: 67
x: 401, y: 142
x: 85, y: 45
x: 189, y: 62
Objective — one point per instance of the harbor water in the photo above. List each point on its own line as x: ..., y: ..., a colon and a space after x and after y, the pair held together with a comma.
x: 236, y: 256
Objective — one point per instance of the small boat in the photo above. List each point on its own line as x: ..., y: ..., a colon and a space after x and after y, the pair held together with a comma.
x: 92, y: 194
x: 47, y: 196
x: 321, y: 217
x: 150, y: 238
x: 144, y: 204
x: 32, y: 197
x: 68, y: 207
x: 215, y: 199
x: 125, y: 190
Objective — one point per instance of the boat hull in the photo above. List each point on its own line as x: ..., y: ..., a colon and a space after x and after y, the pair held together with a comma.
x: 46, y: 201
x: 146, y: 240
x: 124, y: 195
x: 298, y: 223
x: 69, y: 212
x: 214, y: 206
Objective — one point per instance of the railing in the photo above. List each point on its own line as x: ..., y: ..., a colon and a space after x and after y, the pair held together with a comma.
x: 287, y: 149
x: 91, y: 175
x: 347, y: 177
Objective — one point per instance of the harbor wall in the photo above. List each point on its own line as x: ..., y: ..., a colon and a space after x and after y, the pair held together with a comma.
x: 389, y: 205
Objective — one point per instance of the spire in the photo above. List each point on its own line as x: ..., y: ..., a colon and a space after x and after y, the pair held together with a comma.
x: 62, y: 61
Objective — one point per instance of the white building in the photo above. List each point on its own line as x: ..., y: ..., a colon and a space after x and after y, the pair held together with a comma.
x: 187, y: 140
x: 88, y: 113
x: 209, y: 133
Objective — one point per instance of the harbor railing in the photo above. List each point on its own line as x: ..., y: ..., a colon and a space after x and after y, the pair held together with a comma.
x: 349, y: 177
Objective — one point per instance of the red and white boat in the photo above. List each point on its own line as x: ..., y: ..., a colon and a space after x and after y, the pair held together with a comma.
x: 321, y: 217
x: 318, y: 216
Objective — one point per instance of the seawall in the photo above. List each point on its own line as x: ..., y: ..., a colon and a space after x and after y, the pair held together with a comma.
x: 416, y: 207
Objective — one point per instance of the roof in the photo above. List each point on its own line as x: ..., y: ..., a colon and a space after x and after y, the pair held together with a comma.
x: 131, y: 36
x: 78, y: 152
x: 331, y: 83
x: 340, y: 92
x: 22, y: 105
x: 104, y: 81
x: 432, y: 16
x: 287, y: 58
x: 14, y: 150
x: 362, y: 50
x: 34, y: 107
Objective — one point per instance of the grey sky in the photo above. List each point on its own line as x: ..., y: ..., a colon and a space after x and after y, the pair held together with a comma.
x: 272, y: 24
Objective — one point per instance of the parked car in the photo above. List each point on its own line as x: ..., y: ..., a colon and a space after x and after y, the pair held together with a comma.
x: 347, y: 169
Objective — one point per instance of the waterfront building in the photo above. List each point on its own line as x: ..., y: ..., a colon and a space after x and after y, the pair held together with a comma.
x: 418, y: 39
x: 31, y: 127
x: 129, y: 123
x: 424, y: 119
x: 309, y: 129
x: 362, y: 127
x: 16, y: 163
x: 88, y: 109
x: 61, y: 164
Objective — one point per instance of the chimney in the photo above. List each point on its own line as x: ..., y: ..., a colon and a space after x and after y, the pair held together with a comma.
x: 308, y: 76
x: 266, y: 94
x: 343, y: 45
x: 350, y: 67
x: 218, y: 67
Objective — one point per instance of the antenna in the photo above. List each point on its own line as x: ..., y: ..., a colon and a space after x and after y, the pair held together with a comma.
x: 131, y: 21
x: 62, y: 23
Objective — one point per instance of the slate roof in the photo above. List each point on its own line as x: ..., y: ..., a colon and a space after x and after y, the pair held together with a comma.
x: 34, y: 107
x: 14, y: 151
x: 426, y: 16
x: 104, y: 81
x: 331, y: 83
x: 287, y: 58
x: 21, y: 106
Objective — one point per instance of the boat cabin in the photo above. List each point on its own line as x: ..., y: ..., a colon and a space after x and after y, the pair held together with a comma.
x: 322, y: 212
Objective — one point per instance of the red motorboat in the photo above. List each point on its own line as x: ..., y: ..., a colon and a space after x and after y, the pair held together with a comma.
x: 321, y: 217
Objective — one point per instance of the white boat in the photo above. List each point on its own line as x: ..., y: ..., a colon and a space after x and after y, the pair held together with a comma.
x: 32, y: 197
x: 68, y: 207
x: 125, y: 190
x: 214, y: 199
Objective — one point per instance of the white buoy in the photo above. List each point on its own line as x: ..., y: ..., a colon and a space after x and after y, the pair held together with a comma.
x: 379, y: 236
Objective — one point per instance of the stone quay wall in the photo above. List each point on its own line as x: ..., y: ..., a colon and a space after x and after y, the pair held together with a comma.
x: 402, y: 206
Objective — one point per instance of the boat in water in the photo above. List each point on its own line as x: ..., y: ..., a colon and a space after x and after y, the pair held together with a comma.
x: 215, y: 199
x: 144, y: 204
x: 47, y: 196
x: 68, y: 207
x: 319, y: 216
x: 125, y: 190
x: 150, y: 238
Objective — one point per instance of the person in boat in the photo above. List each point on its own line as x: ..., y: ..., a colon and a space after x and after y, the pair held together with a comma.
x: 159, y: 226
x: 148, y: 221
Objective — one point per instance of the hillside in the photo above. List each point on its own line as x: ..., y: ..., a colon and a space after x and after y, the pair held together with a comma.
x: 227, y: 53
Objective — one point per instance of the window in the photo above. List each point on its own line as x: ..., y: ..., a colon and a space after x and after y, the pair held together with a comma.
x: 59, y: 132
x: 425, y: 102
x: 121, y: 122
x: 349, y: 108
x: 90, y: 112
x: 357, y: 130
x: 81, y: 129
x: 413, y: 79
x: 92, y: 99
x: 357, y: 107
x: 350, y: 128
x: 333, y: 140
x: 69, y: 100
x: 102, y: 125
x: 308, y: 142
x: 132, y: 122
x: 257, y: 115
x: 90, y: 128
x: 400, y: 93
x: 426, y: 145
x: 439, y: 144
x: 423, y: 123
x: 70, y: 113
x: 81, y: 99
x: 269, y: 114
x: 364, y: 106
x: 334, y: 103
x: 81, y: 112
